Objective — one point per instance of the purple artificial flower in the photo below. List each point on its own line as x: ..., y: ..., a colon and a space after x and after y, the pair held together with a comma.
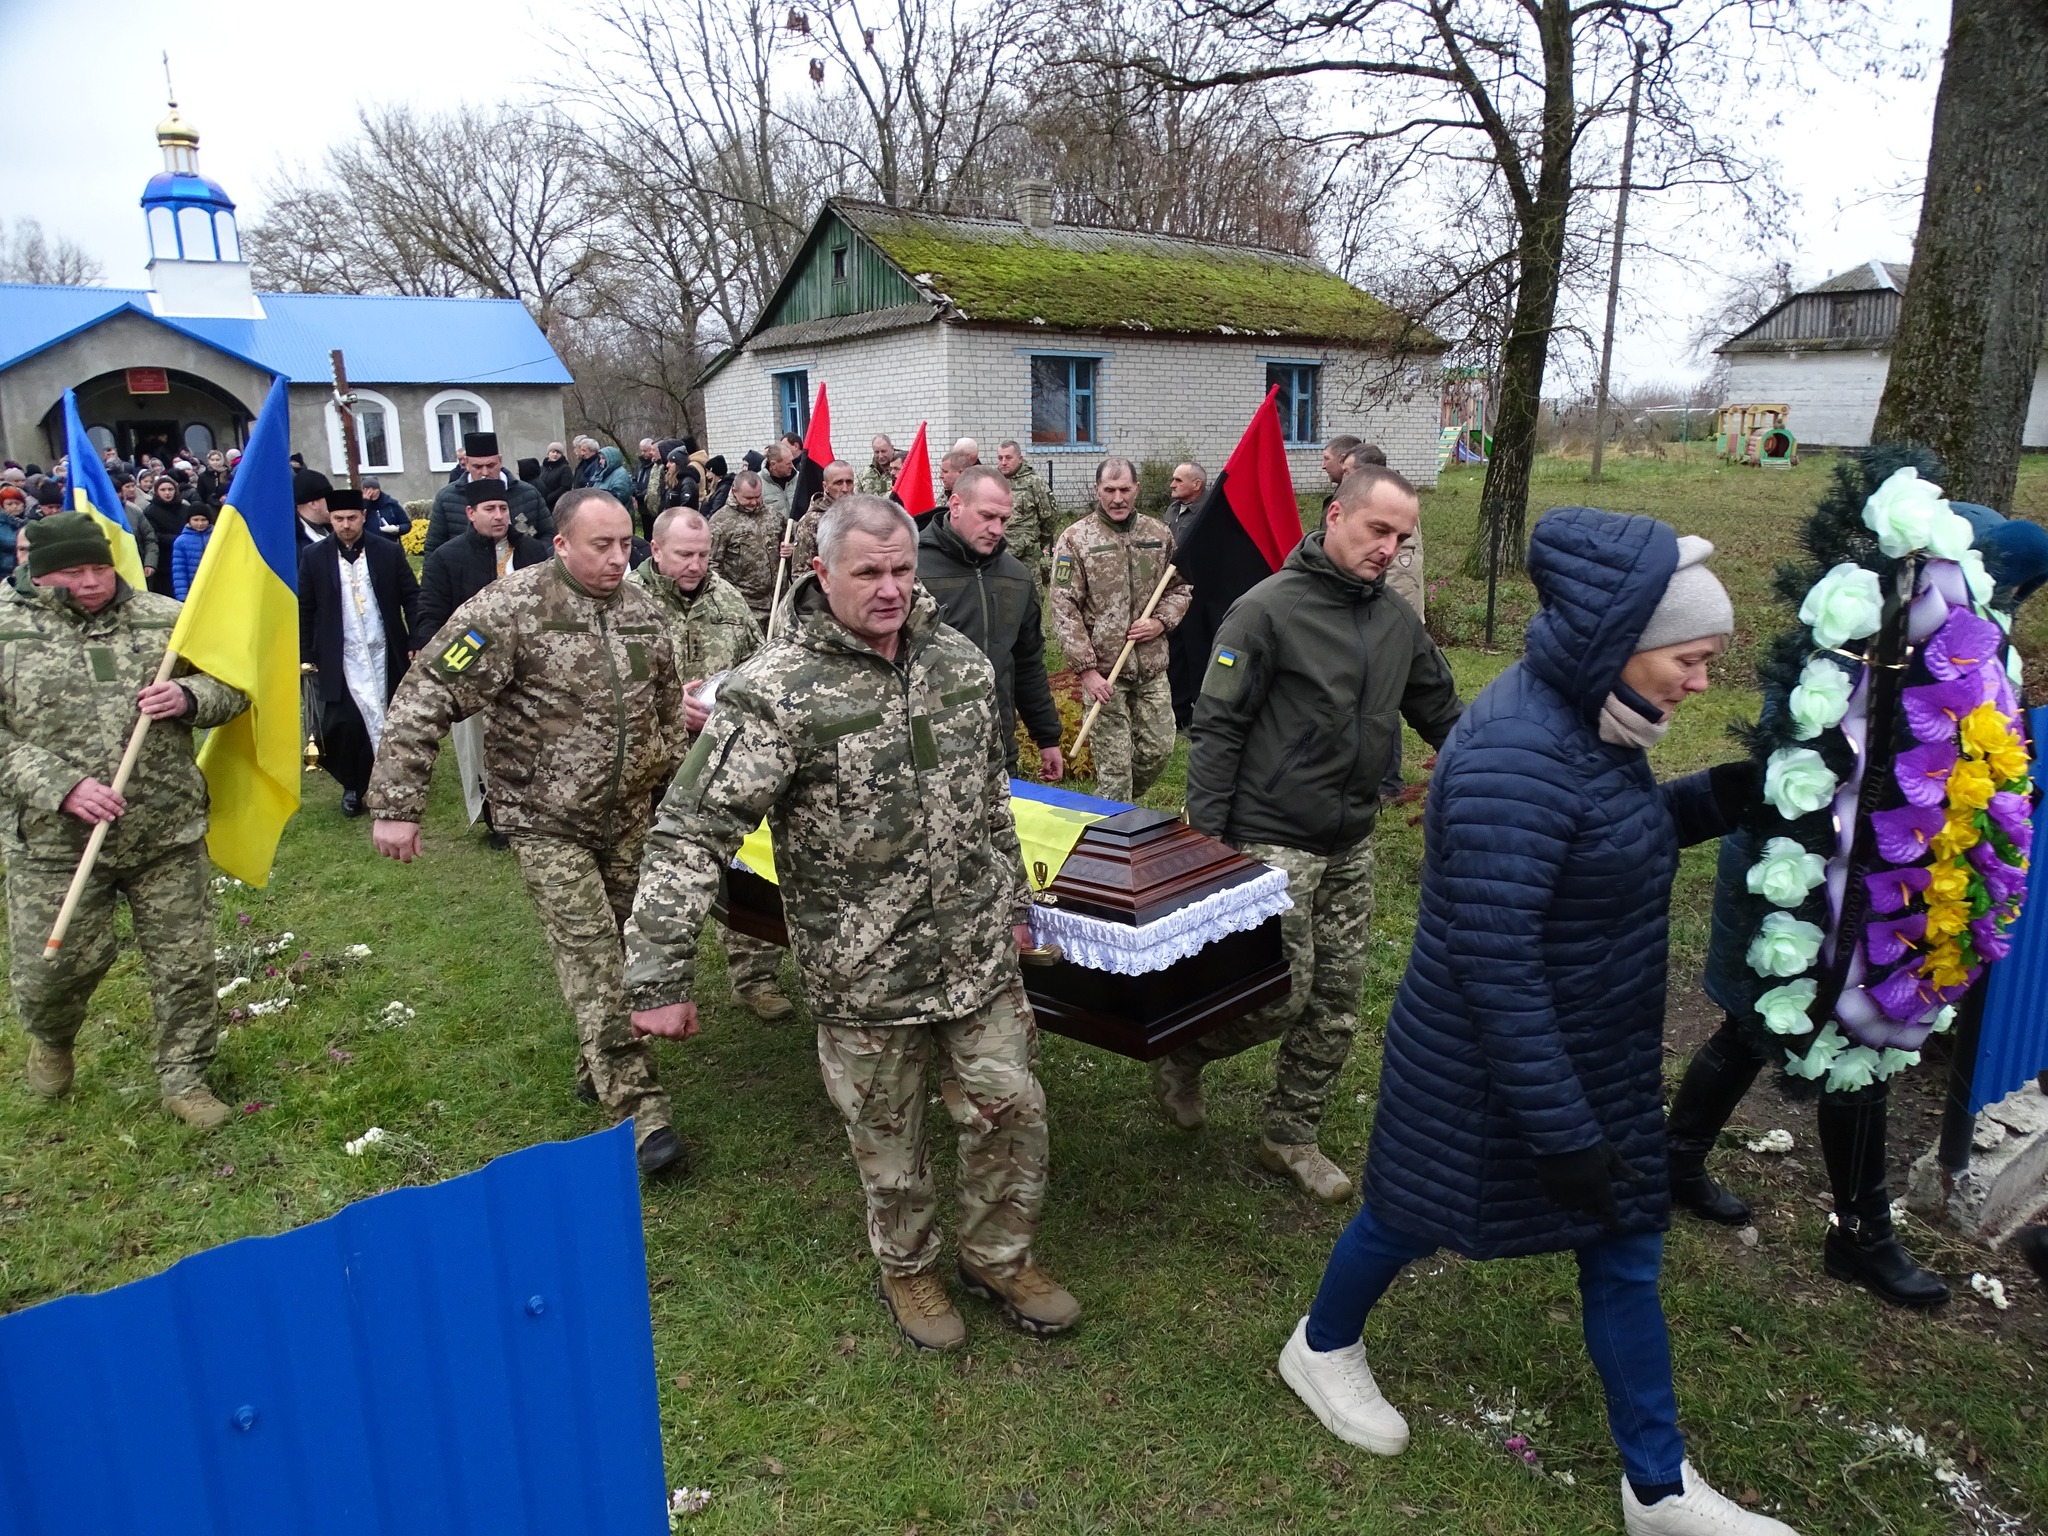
x: 1929, y: 612
x: 1903, y: 995
x: 1923, y: 772
x: 1962, y: 645
x: 1903, y: 834
x: 1935, y: 710
x: 2013, y: 814
x: 2000, y: 878
x: 1893, y: 940
x: 1987, y: 940
x: 1891, y: 889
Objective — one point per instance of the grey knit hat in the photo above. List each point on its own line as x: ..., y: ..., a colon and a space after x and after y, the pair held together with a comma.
x: 1694, y: 605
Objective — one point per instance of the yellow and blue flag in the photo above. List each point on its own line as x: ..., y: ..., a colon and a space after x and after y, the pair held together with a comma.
x: 241, y: 624
x: 92, y: 493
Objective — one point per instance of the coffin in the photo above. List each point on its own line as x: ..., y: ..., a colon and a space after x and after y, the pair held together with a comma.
x: 1138, y: 885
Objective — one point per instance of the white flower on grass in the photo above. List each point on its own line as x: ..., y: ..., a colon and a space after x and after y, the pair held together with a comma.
x: 1820, y: 698
x: 1902, y: 512
x: 1786, y: 873
x: 234, y: 986
x: 357, y: 951
x: 364, y: 1142
x: 1991, y: 1288
x: 1845, y: 604
x: 396, y: 1013
x: 1771, y: 1142
x: 1783, y: 946
x: 687, y: 1501
x: 1798, y: 782
x: 269, y: 1005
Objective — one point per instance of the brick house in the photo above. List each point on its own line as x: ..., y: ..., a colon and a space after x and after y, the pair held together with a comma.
x: 1076, y: 341
x: 1825, y: 353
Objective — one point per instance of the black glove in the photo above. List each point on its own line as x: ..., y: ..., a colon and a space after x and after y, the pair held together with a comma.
x: 1583, y: 1181
x: 1735, y: 787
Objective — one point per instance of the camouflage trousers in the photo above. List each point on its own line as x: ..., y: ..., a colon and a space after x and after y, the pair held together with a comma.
x: 585, y: 897
x: 172, y: 907
x: 875, y: 1077
x: 1133, y: 737
x: 1324, y: 938
x: 749, y: 962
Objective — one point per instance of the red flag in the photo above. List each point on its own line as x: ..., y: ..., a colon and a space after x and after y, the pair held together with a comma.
x: 914, y: 480
x: 1259, y: 488
x: 818, y: 439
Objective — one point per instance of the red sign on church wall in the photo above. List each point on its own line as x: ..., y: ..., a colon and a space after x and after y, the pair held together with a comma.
x: 148, y: 381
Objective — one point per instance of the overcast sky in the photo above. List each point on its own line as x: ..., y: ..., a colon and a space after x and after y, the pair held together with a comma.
x: 269, y: 85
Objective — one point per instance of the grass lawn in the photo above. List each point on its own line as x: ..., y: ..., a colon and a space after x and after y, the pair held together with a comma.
x: 782, y: 1387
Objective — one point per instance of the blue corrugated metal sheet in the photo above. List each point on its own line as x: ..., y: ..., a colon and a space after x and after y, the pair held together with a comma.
x: 475, y: 1357
x: 387, y: 340
x: 2014, y: 1043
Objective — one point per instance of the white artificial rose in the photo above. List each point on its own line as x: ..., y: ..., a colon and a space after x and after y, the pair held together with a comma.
x: 1845, y: 604
x: 1853, y: 1068
x: 1784, y: 1009
x: 1785, y: 873
x: 1820, y: 698
x: 1979, y: 580
x: 1798, y: 782
x: 1827, y: 1045
x: 1948, y: 535
x: 1783, y: 946
x: 1901, y: 512
x: 1897, y: 1061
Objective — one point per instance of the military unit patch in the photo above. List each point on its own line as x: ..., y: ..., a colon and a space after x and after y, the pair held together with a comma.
x: 1063, y: 571
x: 462, y: 652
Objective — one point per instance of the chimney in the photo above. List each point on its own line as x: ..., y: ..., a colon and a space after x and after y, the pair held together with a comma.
x: 1032, y: 200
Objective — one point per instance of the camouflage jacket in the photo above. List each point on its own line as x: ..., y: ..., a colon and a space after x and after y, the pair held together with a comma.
x: 876, y: 482
x: 1035, y: 519
x: 584, y: 707
x: 68, y: 681
x: 745, y: 547
x: 1404, y: 576
x: 712, y: 630
x: 884, y: 789
x: 806, y: 540
x: 1102, y: 574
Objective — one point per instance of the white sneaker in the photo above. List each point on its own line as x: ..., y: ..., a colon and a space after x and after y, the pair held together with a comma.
x: 1339, y: 1389
x: 1699, y: 1511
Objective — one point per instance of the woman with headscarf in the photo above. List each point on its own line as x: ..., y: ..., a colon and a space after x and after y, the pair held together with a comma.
x: 1521, y: 1097
x: 167, y: 511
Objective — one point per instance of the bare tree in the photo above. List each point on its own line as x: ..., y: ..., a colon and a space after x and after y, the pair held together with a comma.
x: 27, y: 255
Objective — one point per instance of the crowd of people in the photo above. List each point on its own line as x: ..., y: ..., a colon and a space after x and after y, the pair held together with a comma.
x: 638, y: 664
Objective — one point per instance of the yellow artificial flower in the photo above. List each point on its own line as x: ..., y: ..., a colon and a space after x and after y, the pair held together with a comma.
x: 1958, y: 835
x: 1945, y: 967
x: 1949, y: 882
x: 2008, y: 760
x: 1946, y: 919
x: 1983, y: 729
x: 1971, y: 786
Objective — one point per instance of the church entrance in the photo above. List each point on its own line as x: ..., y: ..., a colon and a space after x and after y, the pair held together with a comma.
x: 159, y: 439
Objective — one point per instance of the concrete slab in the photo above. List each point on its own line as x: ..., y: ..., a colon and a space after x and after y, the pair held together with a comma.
x: 2006, y: 1184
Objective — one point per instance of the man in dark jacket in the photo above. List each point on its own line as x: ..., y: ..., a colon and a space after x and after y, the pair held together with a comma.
x: 358, y: 602
x: 984, y: 592
x: 471, y: 561
x: 1312, y: 673
x: 480, y: 456
x: 383, y: 514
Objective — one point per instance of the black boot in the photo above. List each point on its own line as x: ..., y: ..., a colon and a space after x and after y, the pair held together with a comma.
x: 1860, y: 1247
x: 1720, y: 1074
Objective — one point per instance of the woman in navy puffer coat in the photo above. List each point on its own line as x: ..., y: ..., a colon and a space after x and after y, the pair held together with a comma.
x: 1521, y: 1097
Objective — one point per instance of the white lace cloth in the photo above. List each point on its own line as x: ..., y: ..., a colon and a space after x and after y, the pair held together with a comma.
x: 1128, y: 950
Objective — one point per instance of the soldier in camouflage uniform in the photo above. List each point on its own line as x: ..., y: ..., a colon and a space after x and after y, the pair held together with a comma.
x: 1034, y: 516
x: 712, y: 632
x: 879, y: 478
x: 571, y: 666
x: 746, y: 537
x: 1311, y: 675
x: 803, y: 548
x: 79, y: 652
x: 1104, y: 568
x: 867, y: 736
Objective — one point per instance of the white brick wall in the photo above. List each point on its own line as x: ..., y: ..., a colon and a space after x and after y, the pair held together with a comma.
x: 1155, y: 397
x: 1834, y: 395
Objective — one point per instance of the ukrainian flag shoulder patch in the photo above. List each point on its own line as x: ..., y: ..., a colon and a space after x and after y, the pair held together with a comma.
x: 461, y: 653
x: 1225, y: 657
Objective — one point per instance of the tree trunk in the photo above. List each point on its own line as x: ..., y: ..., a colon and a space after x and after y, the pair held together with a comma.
x: 1969, y: 338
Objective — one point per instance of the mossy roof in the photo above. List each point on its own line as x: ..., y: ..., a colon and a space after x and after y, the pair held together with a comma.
x: 1072, y: 278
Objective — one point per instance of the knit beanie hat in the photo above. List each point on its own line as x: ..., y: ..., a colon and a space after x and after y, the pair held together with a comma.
x: 49, y: 494
x: 309, y: 485
x: 1694, y: 605
x: 65, y: 539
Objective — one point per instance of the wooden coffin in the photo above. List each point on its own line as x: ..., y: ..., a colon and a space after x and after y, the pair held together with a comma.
x: 1133, y: 867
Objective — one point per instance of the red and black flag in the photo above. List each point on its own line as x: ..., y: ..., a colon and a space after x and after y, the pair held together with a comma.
x: 1243, y: 530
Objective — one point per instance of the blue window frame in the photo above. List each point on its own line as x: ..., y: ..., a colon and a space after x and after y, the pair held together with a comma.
x: 1063, y: 400
x: 793, y: 402
x: 1299, y: 400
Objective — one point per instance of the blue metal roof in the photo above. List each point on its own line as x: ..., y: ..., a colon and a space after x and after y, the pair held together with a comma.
x: 386, y: 340
x: 173, y: 187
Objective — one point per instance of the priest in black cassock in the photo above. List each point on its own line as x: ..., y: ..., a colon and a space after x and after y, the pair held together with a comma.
x: 358, y: 602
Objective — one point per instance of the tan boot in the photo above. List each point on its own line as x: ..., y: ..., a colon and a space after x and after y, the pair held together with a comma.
x: 766, y: 1002
x: 924, y: 1313
x: 1305, y: 1164
x: 1178, y: 1088
x: 198, y: 1108
x: 1034, y: 1301
x: 49, y: 1069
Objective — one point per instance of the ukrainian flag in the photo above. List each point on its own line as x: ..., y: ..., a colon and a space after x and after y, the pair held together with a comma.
x: 241, y: 624
x: 93, y: 494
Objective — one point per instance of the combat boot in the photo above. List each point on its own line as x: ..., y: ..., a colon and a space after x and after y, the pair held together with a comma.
x: 198, y: 1108
x: 1031, y: 1298
x: 49, y: 1069
x: 924, y: 1313
x: 1314, y: 1173
x: 1178, y: 1088
x: 765, y: 1002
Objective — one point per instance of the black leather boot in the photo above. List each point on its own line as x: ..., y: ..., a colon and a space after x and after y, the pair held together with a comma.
x: 1720, y: 1074
x: 1860, y: 1246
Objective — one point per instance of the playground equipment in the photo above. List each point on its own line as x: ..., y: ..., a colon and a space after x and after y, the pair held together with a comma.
x: 1464, y: 436
x: 1756, y: 434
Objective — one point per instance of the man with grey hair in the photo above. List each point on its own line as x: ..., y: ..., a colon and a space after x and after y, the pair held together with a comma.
x: 969, y: 447
x: 803, y: 545
x: 1183, y: 495
x: 950, y: 465
x: 746, y: 543
x: 867, y: 735
x: 1034, y: 515
x: 778, y: 481
x: 879, y: 478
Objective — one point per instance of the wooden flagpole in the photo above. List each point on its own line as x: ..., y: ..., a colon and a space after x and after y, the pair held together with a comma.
x: 782, y: 563
x: 99, y: 832
x: 1122, y: 656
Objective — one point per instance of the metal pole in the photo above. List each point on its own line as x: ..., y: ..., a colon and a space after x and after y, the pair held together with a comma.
x: 1628, y: 160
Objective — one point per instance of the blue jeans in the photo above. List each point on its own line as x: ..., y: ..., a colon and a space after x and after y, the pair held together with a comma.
x: 1624, y: 1324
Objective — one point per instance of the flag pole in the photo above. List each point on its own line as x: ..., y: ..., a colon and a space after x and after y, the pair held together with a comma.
x: 781, y: 565
x: 99, y: 832
x: 1122, y: 656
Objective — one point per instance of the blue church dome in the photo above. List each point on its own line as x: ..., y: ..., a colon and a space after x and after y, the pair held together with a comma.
x: 190, y: 216
x: 175, y: 188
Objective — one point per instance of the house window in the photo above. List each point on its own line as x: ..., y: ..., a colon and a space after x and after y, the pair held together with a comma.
x: 1300, y: 386
x: 838, y: 263
x: 377, y: 437
x: 1063, y: 400
x: 793, y: 402
x: 450, y: 416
